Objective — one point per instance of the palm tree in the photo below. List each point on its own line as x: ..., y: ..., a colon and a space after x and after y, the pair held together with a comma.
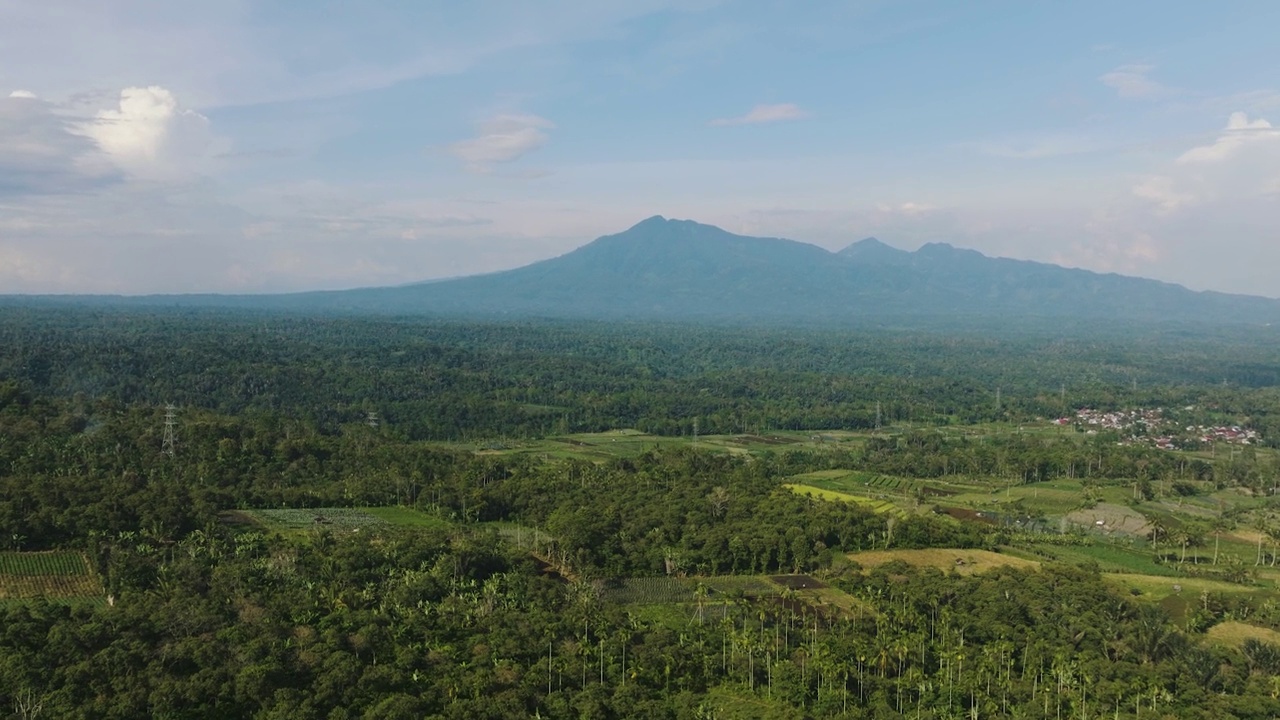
x: 1220, y: 525
x: 1262, y: 527
x: 1159, y: 531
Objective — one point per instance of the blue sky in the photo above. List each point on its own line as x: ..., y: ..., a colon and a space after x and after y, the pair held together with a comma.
x: 241, y: 146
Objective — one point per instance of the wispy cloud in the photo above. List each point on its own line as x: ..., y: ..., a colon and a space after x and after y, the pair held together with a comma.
x: 1131, y: 82
x: 907, y: 208
x: 764, y: 114
x: 502, y: 139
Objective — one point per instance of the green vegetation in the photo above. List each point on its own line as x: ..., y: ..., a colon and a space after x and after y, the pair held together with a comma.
x: 340, y: 518
x: 403, y: 519
x: 657, y: 590
x: 42, y: 563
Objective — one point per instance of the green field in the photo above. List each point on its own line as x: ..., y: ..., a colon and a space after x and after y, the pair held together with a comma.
x: 626, y: 442
x: 294, y: 520
x: 1108, y: 557
x: 49, y: 575
x: 878, y: 506
x: 665, y: 590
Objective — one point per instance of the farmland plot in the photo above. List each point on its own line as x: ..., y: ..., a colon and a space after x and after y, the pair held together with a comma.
x: 873, y: 504
x: 52, y: 575
x: 963, y: 561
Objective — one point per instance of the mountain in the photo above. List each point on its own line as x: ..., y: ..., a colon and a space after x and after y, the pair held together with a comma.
x: 872, y: 251
x: 680, y: 269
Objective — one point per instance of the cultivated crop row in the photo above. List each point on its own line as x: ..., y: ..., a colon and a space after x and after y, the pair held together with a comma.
x: 53, y: 575
x: 24, y: 564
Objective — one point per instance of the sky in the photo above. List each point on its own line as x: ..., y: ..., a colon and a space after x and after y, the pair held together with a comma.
x: 244, y: 146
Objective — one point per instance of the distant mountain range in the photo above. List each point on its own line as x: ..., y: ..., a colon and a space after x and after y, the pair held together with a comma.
x: 682, y: 270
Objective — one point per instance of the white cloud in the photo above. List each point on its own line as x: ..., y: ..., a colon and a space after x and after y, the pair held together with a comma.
x: 1205, y: 219
x: 1131, y: 82
x: 1240, y: 131
x: 907, y: 208
x: 1160, y: 190
x: 502, y: 139
x: 23, y: 95
x: 1218, y: 172
x: 149, y: 134
x: 764, y: 114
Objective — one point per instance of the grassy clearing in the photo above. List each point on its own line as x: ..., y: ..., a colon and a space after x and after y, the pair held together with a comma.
x: 627, y: 442
x: 297, y: 520
x: 965, y: 562
x: 667, y: 590
x: 406, y: 517
x: 842, y: 601
x: 1233, y: 634
x: 1159, y: 588
x: 51, y: 575
x: 1047, y: 498
x: 520, y: 535
x: 1110, y: 558
x: 878, y: 506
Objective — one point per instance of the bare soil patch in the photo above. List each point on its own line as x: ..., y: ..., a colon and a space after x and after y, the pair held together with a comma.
x: 1109, y: 517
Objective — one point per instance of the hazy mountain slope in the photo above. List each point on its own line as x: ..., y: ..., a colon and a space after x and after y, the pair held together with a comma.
x: 679, y: 269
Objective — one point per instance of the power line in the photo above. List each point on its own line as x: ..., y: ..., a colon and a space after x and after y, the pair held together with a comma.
x: 170, y: 421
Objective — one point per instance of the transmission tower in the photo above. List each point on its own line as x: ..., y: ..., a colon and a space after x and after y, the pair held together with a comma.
x: 371, y: 419
x: 170, y: 421
x: 877, y: 416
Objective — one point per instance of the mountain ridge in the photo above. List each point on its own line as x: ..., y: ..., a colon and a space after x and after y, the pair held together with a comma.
x: 675, y: 269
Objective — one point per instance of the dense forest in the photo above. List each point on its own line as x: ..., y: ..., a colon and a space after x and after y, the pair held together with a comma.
x: 206, y: 613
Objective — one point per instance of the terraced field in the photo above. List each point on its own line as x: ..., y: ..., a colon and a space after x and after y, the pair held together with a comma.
x: 874, y: 505
x: 879, y: 506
